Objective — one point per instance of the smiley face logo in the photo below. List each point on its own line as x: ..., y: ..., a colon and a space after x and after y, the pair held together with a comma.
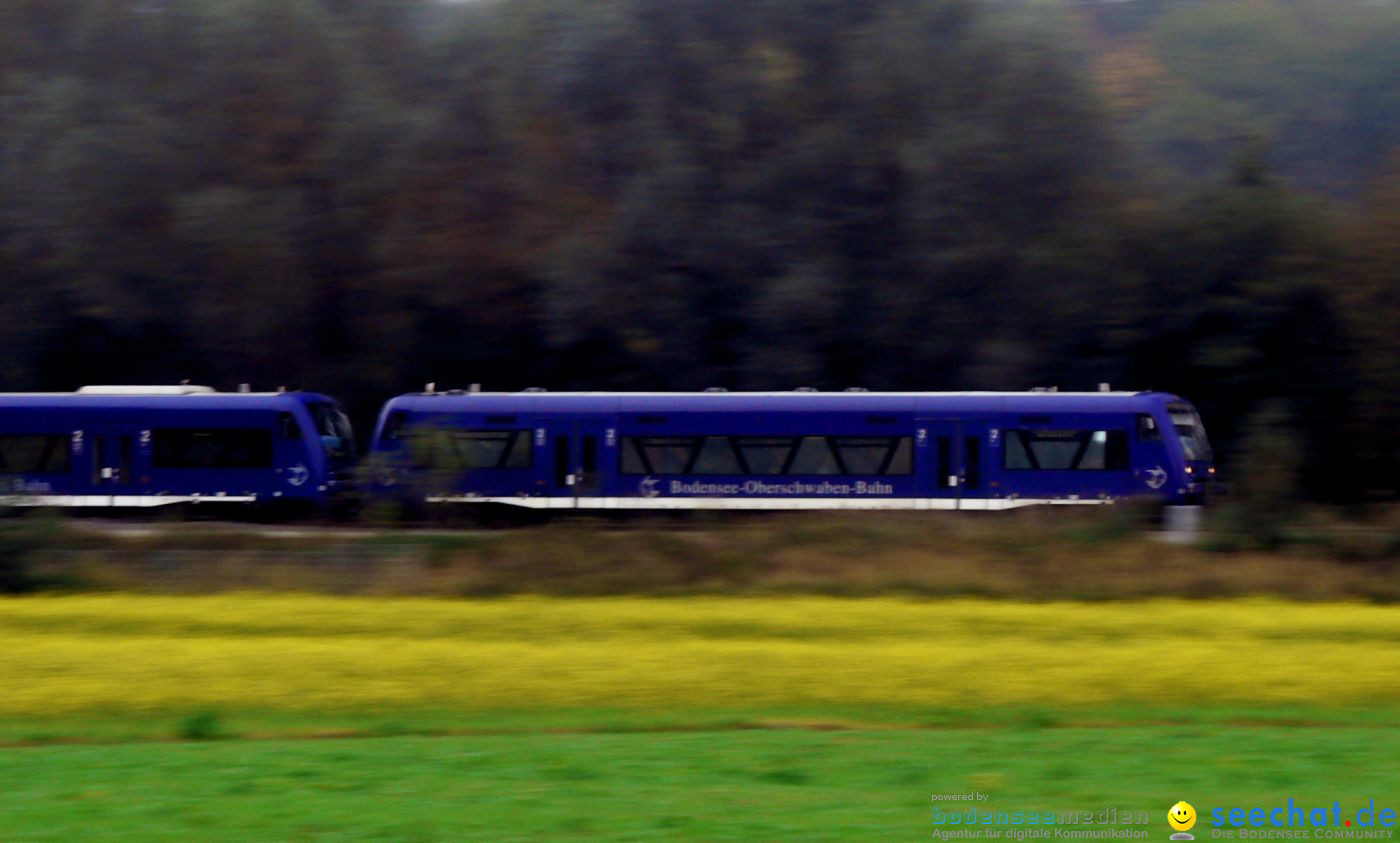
x: 1181, y: 816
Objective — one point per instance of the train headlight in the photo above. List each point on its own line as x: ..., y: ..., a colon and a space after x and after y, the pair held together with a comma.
x: 1210, y: 470
x: 1190, y: 470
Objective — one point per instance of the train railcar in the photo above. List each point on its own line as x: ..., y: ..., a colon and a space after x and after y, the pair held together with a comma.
x: 150, y: 446
x: 796, y: 450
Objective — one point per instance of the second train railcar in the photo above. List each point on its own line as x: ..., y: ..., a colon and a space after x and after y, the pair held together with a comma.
x: 149, y: 446
x: 798, y: 450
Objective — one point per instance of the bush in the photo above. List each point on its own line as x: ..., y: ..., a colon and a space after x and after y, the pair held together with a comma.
x: 19, y: 539
x: 201, y: 726
x: 1268, y: 469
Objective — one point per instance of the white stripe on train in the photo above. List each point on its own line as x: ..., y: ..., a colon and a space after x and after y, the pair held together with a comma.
x: 120, y: 500
x: 764, y: 503
x: 564, y: 503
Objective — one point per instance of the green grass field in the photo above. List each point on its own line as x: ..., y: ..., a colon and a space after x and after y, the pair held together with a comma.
x: 721, y: 785
x: 300, y: 717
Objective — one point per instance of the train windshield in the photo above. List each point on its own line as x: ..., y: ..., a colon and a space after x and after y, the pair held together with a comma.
x: 1193, y: 434
x: 334, y: 429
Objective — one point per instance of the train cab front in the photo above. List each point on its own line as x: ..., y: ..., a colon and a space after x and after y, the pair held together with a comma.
x: 338, y: 440
x: 1199, y: 481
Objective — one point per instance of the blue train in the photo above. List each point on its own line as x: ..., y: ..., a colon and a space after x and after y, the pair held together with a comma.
x: 141, y: 446
x: 155, y: 446
x: 792, y: 450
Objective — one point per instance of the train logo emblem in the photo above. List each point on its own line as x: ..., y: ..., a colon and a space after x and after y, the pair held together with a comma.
x: 297, y: 474
x: 1156, y: 477
x: 648, y: 487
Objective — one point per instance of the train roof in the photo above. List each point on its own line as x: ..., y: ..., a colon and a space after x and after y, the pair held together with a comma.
x: 621, y: 402
x: 150, y: 398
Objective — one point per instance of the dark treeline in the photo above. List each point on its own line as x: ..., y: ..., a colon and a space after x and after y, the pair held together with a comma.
x: 359, y: 196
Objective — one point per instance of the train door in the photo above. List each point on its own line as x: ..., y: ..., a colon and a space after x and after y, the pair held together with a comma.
x: 938, y: 439
x: 957, y: 461
x: 977, y: 443
x: 115, y: 456
x: 578, y: 450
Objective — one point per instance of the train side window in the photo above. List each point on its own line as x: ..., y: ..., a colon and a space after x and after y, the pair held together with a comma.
x: 875, y: 455
x: 768, y: 455
x: 287, y: 426
x: 901, y: 462
x: 466, y: 450
x: 428, y: 448
x: 668, y: 454
x: 211, y: 448
x: 814, y: 456
x: 633, y: 460
x: 36, y: 454
x: 521, y: 455
x: 1116, y: 451
x: 765, y: 455
x: 394, y: 425
x: 473, y: 450
x: 863, y: 455
x: 1095, y: 451
x: 490, y: 448
x: 1147, y: 429
x: 1054, y: 449
x: 1066, y: 450
x: 717, y: 457
x: 1016, y: 455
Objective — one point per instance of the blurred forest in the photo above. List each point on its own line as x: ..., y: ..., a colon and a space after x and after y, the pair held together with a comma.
x: 359, y: 196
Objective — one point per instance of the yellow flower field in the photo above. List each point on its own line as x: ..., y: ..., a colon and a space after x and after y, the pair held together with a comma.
x: 71, y: 654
